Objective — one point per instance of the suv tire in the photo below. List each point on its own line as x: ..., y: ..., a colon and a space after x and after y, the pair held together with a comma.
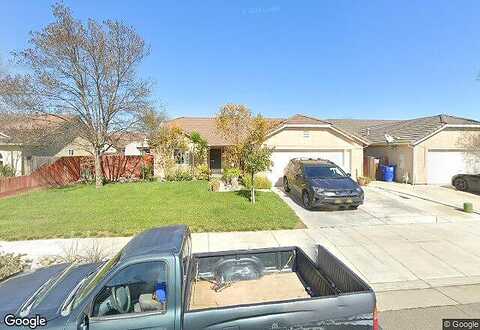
x: 307, y: 203
x: 285, y: 184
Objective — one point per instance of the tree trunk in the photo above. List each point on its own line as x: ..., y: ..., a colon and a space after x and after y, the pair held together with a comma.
x: 98, y: 169
x: 253, y: 189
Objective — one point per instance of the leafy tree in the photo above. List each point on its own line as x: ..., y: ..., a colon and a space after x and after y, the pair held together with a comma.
x: 165, y: 140
x: 199, y: 149
x: 85, y: 71
x: 257, y: 159
x: 240, y: 128
x: 233, y: 122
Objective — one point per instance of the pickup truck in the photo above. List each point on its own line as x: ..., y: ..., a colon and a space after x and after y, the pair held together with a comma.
x: 155, y: 282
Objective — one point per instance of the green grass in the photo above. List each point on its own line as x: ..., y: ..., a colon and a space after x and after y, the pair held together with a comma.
x: 126, y: 209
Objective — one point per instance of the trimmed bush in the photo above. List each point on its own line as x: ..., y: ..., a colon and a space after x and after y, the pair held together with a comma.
x: 147, y: 173
x: 230, y: 173
x: 261, y: 182
x: 202, y: 172
x: 180, y: 175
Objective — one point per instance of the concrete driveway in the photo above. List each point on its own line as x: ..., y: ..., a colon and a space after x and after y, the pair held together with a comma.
x: 413, y: 252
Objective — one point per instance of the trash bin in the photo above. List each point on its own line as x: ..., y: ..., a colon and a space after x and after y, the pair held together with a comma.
x: 388, y: 172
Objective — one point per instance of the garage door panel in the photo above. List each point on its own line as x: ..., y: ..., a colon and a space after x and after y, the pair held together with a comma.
x: 280, y: 160
x: 442, y: 165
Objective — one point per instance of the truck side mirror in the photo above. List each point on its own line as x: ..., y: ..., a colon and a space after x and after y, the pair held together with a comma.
x: 83, y: 322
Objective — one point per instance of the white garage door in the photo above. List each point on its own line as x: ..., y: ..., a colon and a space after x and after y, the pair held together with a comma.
x: 442, y: 165
x: 280, y: 160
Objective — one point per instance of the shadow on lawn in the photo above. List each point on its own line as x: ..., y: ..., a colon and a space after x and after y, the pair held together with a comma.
x: 245, y: 194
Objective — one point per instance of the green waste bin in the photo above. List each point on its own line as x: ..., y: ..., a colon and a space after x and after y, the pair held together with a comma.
x: 468, y: 207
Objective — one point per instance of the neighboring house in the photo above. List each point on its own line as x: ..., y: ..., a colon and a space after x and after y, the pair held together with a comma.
x: 11, y: 154
x: 427, y: 150
x: 297, y: 136
x: 132, y: 144
x: 27, y: 143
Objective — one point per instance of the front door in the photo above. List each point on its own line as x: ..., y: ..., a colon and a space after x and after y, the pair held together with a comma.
x: 215, y: 160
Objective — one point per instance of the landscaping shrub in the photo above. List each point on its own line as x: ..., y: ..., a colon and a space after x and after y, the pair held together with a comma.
x: 147, y: 173
x: 214, y: 185
x: 261, y: 182
x: 230, y: 173
x: 6, y: 170
x: 10, y: 264
x: 179, y: 175
x: 202, y: 172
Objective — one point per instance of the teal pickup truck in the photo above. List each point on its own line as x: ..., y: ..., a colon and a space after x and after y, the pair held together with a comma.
x: 155, y: 282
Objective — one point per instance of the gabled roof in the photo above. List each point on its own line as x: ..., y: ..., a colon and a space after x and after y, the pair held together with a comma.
x: 207, y: 126
x: 300, y: 119
x: 403, y: 131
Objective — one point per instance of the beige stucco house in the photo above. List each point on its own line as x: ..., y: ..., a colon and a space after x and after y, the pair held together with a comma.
x: 428, y: 150
x: 297, y: 136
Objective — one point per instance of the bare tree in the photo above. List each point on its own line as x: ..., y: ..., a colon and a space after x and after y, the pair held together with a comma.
x: 86, y: 72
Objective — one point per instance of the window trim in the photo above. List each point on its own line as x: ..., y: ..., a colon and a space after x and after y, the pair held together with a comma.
x: 185, y: 157
x: 127, y: 315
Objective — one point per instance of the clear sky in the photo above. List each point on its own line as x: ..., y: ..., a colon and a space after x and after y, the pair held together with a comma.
x: 330, y: 59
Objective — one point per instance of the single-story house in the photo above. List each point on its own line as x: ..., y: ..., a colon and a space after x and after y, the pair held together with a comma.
x: 297, y: 136
x: 26, y: 143
x: 428, y: 150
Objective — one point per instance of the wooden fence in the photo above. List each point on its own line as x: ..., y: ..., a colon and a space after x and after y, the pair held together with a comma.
x: 69, y: 170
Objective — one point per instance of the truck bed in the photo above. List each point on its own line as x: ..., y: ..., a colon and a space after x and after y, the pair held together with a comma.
x: 269, y: 288
x: 252, y: 277
x: 286, y: 289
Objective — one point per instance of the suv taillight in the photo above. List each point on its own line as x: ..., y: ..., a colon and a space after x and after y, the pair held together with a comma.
x: 375, y: 319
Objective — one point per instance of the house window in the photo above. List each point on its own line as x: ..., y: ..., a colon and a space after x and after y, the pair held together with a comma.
x: 1, y: 159
x: 306, y: 134
x: 71, y: 152
x: 181, y: 156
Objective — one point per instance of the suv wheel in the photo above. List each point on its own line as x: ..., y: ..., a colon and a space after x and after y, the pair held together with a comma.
x: 461, y: 184
x: 285, y: 184
x: 306, y: 200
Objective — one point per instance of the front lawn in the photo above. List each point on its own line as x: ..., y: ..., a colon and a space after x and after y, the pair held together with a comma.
x: 126, y: 209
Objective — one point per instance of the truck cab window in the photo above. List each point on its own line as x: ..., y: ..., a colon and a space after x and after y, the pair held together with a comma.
x: 139, y: 288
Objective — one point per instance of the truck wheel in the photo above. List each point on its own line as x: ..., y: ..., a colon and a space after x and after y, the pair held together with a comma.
x: 461, y: 184
x: 307, y: 203
x: 285, y: 184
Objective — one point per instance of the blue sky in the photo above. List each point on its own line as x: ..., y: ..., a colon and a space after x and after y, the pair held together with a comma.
x: 330, y: 59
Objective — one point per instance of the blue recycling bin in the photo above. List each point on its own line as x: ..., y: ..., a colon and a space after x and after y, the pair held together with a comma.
x: 388, y: 172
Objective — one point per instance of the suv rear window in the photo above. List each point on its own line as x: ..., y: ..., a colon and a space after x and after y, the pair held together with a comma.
x: 324, y: 172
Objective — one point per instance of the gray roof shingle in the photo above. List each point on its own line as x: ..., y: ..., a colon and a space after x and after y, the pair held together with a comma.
x: 403, y: 131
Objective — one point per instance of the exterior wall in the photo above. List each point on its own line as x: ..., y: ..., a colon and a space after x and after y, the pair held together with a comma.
x: 131, y: 149
x: 80, y: 147
x: 447, y: 139
x: 319, y: 139
x: 13, y: 156
x: 399, y: 155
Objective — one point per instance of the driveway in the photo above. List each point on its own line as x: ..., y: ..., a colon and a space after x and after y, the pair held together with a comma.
x: 413, y: 252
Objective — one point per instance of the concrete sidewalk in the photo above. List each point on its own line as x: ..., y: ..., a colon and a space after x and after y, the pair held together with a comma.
x: 444, y: 195
x: 408, y: 265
